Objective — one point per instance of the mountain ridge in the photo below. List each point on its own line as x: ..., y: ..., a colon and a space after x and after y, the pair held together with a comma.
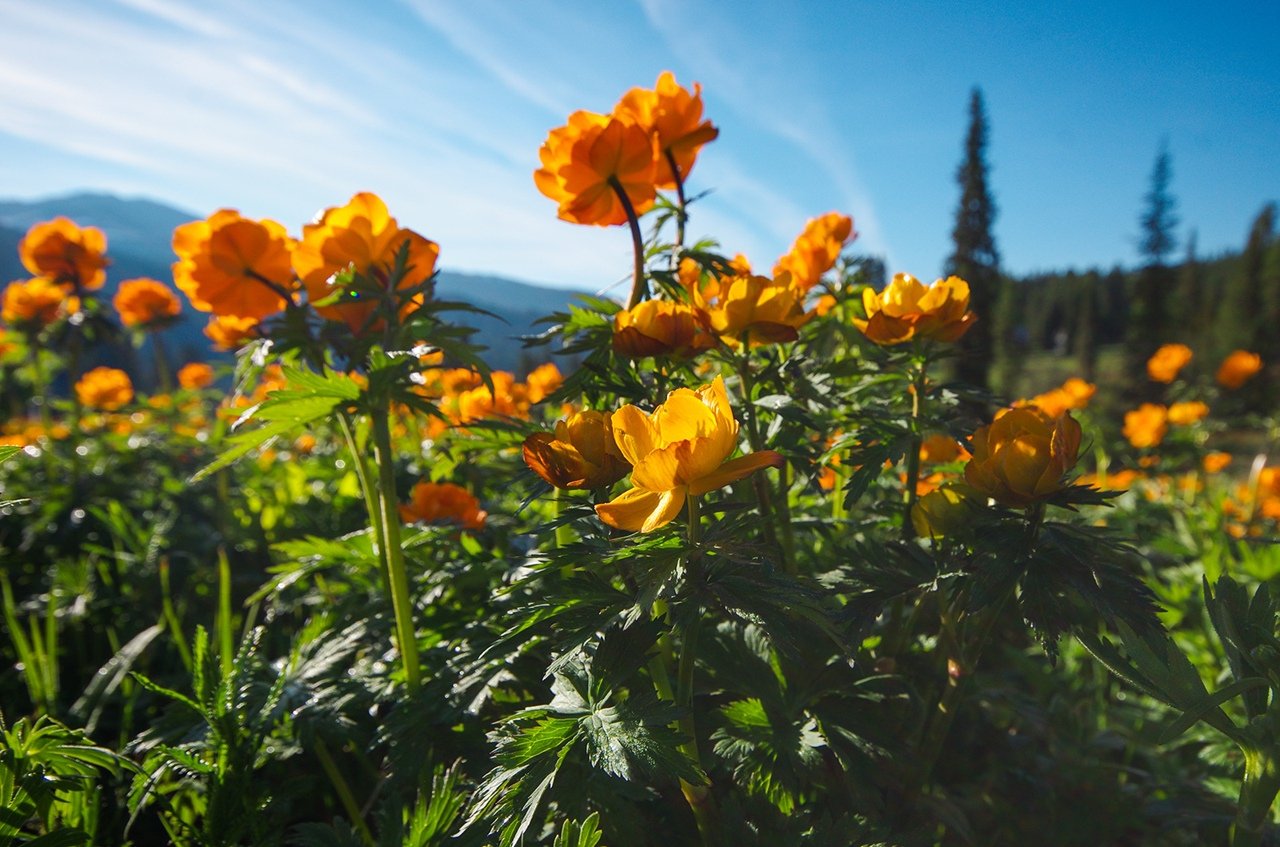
x: 139, y: 233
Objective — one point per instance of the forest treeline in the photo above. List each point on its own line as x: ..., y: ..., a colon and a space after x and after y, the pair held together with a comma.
x: 1212, y: 304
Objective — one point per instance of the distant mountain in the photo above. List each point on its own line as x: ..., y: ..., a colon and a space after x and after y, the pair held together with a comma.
x: 139, y: 234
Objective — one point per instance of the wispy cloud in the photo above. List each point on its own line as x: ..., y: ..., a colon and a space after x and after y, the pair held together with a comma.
x: 778, y: 104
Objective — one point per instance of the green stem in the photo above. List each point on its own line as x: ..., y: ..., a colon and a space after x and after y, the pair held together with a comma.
x: 42, y: 398
x: 226, y: 642
x: 344, y: 793
x: 171, y: 616
x: 367, y: 489
x: 639, y: 287
x: 756, y: 442
x: 699, y: 797
x: 164, y: 376
x: 397, y: 578
x: 1257, y: 794
x: 913, y: 451
x: 564, y: 535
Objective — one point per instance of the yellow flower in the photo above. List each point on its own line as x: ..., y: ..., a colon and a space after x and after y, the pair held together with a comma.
x: 1238, y: 368
x: 678, y: 449
x: 1146, y: 425
x: 906, y: 309
x: 944, y: 511
x: 1022, y: 456
x: 1185, y: 414
x: 1164, y: 364
x: 104, y: 388
x: 36, y: 303
x: 816, y: 249
x: 759, y: 309
x: 661, y: 328
x: 581, y: 453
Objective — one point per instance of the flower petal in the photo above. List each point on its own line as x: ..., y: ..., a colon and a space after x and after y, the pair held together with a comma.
x: 640, y: 510
x: 735, y: 469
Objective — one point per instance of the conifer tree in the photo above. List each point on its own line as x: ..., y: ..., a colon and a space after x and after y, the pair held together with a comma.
x: 1149, y: 304
x: 1190, y: 307
x: 1243, y: 319
x: 975, y: 258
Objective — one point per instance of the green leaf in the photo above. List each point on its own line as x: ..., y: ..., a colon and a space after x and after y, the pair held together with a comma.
x: 1199, y: 712
x: 585, y: 834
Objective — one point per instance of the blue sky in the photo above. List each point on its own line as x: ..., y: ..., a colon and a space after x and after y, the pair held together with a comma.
x: 282, y: 108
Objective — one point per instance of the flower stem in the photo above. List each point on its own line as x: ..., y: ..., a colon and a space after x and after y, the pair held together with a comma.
x: 701, y: 801
x: 756, y: 442
x: 639, y: 287
x: 164, y: 378
x: 1257, y: 794
x: 344, y: 793
x: 913, y: 449
x: 681, y: 213
x: 397, y: 579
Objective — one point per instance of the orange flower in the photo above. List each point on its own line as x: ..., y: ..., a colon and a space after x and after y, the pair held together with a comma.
x: 66, y: 254
x: 104, y: 388
x: 145, y: 302
x: 233, y: 266
x: 661, y: 328
x: 1023, y: 455
x: 759, y: 309
x: 591, y: 163
x: 1075, y: 393
x: 543, y: 381
x: 1146, y: 425
x: 229, y: 332
x: 1216, y: 462
x: 906, y: 309
x: 1164, y: 364
x: 581, y: 453
x: 195, y: 375
x: 36, y: 303
x: 816, y: 249
x: 442, y: 502
x: 364, y: 237
x: 1238, y: 368
x: 674, y: 116
x: 939, y: 448
x: 1185, y: 414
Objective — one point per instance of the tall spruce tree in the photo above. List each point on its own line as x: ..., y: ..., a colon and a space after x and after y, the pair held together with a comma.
x: 1149, y: 304
x: 1190, y: 309
x: 975, y: 258
x: 1243, y: 319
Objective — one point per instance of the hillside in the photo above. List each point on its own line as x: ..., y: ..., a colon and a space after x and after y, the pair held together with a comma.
x: 138, y: 239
